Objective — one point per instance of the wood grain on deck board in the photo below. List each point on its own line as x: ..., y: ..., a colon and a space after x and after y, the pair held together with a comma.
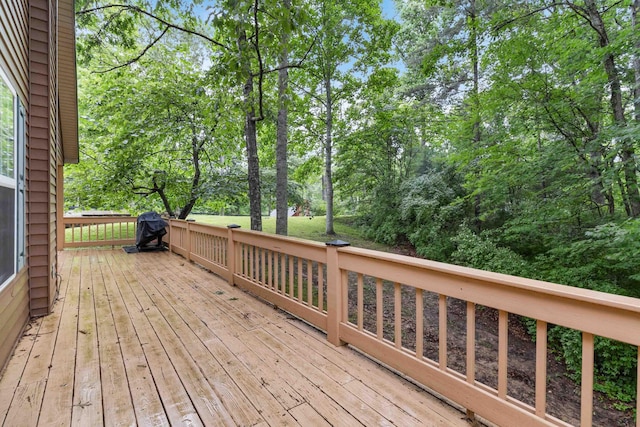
x: 151, y: 339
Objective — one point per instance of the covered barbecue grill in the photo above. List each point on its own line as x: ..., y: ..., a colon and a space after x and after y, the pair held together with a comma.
x: 151, y: 227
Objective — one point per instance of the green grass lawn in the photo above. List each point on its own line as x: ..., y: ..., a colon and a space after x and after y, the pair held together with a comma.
x: 101, y: 232
x: 310, y: 228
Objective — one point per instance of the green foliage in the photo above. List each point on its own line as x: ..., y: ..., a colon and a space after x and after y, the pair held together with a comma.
x: 615, y: 363
x: 430, y: 208
x: 481, y: 252
x: 381, y: 218
x: 605, y: 259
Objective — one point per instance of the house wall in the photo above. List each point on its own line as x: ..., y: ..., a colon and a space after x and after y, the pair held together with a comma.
x: 44, y: 155
x: 55, y: 152
x: 14, y: 298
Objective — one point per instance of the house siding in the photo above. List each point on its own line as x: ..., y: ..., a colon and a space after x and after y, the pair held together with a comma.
x: 13, y: 44
x: 14, y: 298
x: 14, y: 314
x: 44, y: 150
x: 55, y: 151
x: 30, y: 46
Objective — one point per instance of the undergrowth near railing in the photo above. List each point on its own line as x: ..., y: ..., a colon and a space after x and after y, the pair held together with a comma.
x: 616, y: 366
x: 614, y: 369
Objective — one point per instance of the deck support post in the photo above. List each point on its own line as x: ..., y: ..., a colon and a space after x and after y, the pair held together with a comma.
x: 334, y: 293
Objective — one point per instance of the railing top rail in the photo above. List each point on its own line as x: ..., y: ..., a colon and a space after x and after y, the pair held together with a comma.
x: 260, y: 234
x: 531, y: 285
x: 179, y: 223
x: 98, y: 219
x: 277, y: 237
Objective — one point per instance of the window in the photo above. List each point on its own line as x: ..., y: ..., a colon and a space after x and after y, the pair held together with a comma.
x: 12, y: 154
x: 20, y: 173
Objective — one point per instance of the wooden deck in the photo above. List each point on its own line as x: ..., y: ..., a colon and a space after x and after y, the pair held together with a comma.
x: 149, y: 339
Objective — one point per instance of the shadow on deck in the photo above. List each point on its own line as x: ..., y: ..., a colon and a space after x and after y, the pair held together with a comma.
x: 151, y: 339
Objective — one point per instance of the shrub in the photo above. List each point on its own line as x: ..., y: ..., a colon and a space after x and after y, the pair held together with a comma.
x: 481, y: 252
x: 615, y: 363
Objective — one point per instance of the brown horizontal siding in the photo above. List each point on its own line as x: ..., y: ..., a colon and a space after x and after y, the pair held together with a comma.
x: 38, y: 186
x: 37, y: 163
x: 54, y: 150
x: 39, y: 250
x: 14, y: 314
x: 13, y: 44
x: 39, y: 293
x: 14, y: 298
x: 39, y: 155
x: 40, y: 117
x: 37, y: 175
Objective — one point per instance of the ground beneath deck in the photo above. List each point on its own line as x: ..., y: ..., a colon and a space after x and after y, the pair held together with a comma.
x: 150, y: 339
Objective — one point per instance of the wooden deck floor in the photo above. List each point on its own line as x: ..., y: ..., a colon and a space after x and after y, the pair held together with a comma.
x: 149, y: 339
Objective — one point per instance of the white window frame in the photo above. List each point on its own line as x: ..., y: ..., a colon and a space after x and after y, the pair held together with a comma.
x: 12, y: 182
x: 20, y: 149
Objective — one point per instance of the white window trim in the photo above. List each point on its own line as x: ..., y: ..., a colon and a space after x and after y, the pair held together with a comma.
x: 8, y: 182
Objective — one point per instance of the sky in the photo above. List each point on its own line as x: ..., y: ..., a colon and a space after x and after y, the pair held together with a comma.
x: 389, y: 9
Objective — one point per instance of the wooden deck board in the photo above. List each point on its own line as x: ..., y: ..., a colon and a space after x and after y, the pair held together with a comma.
x: 147, y: 403
x: 203, y: 344
x: 175, y: 399
x: 117, y: 405
x: 29, y: 392
x: 87, y: 393
x: 58, y: 397
x: 202, y: 375
x: 150, y: 339
x: 11, y: 376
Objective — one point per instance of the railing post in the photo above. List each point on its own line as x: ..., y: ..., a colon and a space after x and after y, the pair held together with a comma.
x: 60, y: 229
x: 187, y: 241
x: 170, y: 234
x: 334, y: 292
x: 231, y: 253
x: 62, y: 233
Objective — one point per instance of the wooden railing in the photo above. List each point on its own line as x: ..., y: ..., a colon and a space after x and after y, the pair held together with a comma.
x: 326, y: 286
x: 98, y: 231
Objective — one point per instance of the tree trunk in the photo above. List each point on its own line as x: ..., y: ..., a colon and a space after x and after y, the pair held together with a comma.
x: 328, y: 159
x: 473, y: 19
x: 627, y: 151
x: 251, y: 139
x: 195, y: 182
x: 165, y: 202
x: 159, y: 189
x: 282, y: 196
x: 635, y: 25
x: 595, y: 176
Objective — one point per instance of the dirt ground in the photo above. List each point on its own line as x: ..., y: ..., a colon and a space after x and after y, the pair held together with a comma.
x: 563, y: 394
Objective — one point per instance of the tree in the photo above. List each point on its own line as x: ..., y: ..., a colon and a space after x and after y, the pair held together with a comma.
x: 443, y: 44
x: 156, y: 129
x: 282, y: 173
x: 593, y: 16
x: 238, y: 27
x: 350, y: 37
x: 577, y: 85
